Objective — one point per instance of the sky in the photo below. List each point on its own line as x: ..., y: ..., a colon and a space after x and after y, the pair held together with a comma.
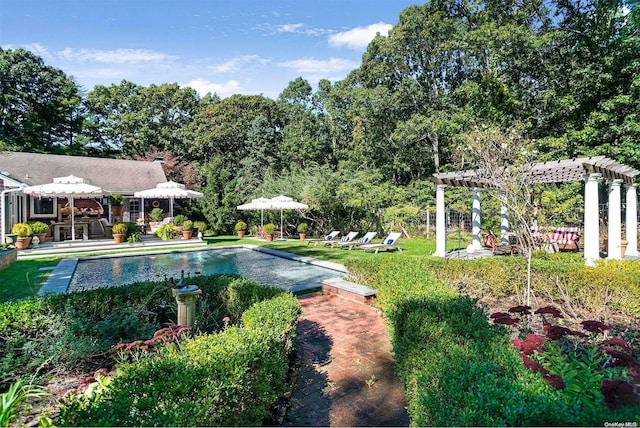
x: 224, y: 46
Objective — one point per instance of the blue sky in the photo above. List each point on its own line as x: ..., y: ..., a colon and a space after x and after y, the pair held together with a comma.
x: 222, y: 46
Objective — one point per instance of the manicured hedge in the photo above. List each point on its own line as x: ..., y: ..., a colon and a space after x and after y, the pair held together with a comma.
x: 457, y: 368
x: 73, y: 331
x: 225, y: 379
x: 554, y: 276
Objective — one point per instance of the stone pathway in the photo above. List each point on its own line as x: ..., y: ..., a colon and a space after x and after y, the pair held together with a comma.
x: 346, y: 375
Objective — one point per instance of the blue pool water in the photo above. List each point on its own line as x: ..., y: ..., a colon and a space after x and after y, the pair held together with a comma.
x: 263, y: 268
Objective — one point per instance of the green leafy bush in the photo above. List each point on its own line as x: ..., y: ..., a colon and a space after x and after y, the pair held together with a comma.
x: 179, y: 219
x: 156, y: 215
x: 225, y: 379
x: 240, y: 226
x: 269, y: 229
x: 119, y: 229
x: 22, y: 230
x: 166, y: 232
x: 39, y: 227
x: 187, y: 225
x: 457, y: 368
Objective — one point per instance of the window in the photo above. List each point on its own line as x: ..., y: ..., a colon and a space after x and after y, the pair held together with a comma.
x: 43, y: 207
x: 134, y: 209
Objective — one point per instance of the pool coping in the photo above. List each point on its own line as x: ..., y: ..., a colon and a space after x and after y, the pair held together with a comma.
x: 60, y: 278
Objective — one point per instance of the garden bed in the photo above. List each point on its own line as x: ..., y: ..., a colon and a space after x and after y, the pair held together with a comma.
x: 251, y: 325
x: 7, y: 257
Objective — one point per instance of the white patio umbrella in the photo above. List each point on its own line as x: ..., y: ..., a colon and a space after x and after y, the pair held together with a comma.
x: 286, y: 203
x: 168, y: 190
x: 66, y: 187
x: 257, y: 204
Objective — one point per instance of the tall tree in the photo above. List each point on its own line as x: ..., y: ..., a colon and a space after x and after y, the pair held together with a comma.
x: 40, y: 106
x: 131, y: 120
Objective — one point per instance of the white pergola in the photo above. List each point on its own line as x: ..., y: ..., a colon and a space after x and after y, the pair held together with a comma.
x: 591, y: 170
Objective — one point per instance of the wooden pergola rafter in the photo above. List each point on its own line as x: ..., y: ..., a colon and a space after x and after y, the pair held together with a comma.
x: 589, y: 169
x: 562, y: 171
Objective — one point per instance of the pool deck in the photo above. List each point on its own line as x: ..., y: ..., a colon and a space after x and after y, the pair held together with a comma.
x: 105, y: 245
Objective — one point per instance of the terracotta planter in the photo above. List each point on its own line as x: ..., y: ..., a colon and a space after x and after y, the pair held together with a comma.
x: 118, y: 238
x: 623, y: 247
x: 22, y: 243
x: 241, y: 233
x: 187, y: 234
x: 116, y: 210
x: 42, y: 237
x: 269, y: 238
x: 303, y: 236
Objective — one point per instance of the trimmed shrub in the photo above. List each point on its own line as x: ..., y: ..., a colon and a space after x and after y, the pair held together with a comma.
x: 225, y: 379
x: 457, y: 368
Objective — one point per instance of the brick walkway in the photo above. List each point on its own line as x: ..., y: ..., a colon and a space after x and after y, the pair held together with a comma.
x: 346, y: 375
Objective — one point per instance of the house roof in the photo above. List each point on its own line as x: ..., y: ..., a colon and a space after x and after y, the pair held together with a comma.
x: 545, y: 172
x: 115, y: 175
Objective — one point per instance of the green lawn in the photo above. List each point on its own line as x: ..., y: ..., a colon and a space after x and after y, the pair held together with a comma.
x: 24, y: 277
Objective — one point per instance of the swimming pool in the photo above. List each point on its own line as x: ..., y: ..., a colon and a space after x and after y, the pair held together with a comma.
x: 266, y: 269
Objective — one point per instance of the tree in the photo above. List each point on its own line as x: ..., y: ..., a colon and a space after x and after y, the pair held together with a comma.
x: 40, y: 106
x: 132, y: 120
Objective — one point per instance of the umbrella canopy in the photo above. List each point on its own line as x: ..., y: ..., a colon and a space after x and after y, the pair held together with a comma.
x: 286, y: 203
x: 257, y: 204
x: 66, y: 187
x: 169, y: 190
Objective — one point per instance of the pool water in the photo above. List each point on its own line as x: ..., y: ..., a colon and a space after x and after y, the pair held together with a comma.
x: 263, y: 268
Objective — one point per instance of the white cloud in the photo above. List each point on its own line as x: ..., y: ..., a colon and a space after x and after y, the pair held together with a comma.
x: 310, y: 65
x: 300, y: 29
x: 236, y: 64
x: 359, y: 37
x: 117, y: 56
x: 203, y: 86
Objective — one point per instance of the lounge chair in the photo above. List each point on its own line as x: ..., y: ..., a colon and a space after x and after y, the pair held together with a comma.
x: 366, y: 239
x: 333, y: 235
x: 344, y: 240
x: 388, y: 243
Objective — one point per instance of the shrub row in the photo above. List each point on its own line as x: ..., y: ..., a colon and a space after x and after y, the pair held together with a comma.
x: 70, y: 331
x: 457, y: 368
x: 226, y: 379
x: 610, y: 286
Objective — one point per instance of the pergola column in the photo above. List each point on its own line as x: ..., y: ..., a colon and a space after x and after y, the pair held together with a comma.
x: 441, y: 227
x: 504, y: 218
x: 631, y: 221
x: 476, y: 219
x: 615, y: 226
x: 591, y: 219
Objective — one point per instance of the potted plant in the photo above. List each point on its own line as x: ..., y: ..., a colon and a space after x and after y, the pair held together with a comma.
x: 24, y: 232
x: 302, y: 231
x: 119, y: 231
x: 187, y: 229
x: 40, y: 230
x: 155, y: 219
x: 241, y: 228
x: 178, y: 221
x: 269, y: 230
x: 117, y: 201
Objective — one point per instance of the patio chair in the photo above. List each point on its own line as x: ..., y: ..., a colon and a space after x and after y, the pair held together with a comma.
x: 344, y: 240
x: 106, y: 228
x: 388, y: 244
x: 366, y: 239
x: 333, y: 235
